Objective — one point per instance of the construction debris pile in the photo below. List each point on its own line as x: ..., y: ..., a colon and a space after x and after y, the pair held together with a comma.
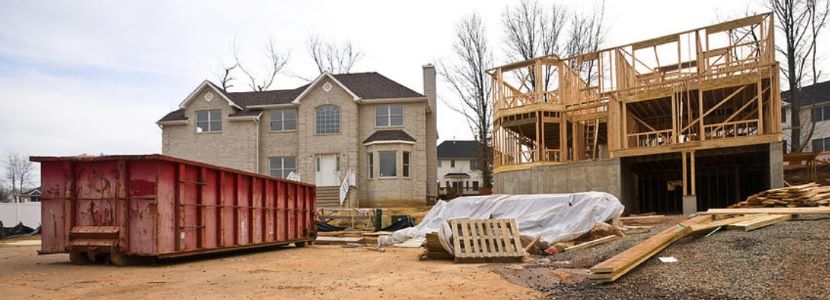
x: 805, y: 195
x: 552, y: 217
x: 745, y: 219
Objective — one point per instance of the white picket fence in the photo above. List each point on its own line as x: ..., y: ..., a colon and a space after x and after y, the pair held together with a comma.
x: 28, y: 213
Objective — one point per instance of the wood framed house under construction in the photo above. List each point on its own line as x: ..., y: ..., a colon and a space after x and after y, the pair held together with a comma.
x: 678, y: 123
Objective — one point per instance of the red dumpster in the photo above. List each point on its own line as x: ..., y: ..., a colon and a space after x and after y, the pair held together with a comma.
x: 117, y: 207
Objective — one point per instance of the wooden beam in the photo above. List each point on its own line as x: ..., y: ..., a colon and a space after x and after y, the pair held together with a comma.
x: 769, y: 210
x: 592, y: 243
x: 719, y: 223
x: 759, y: 221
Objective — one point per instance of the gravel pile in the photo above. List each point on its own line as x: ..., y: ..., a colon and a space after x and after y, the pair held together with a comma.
x: 789, y: 260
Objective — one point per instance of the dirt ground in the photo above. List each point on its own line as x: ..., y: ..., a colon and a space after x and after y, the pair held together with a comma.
x: 316, y: 272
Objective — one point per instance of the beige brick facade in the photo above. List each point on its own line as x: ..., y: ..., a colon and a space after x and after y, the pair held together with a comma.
x: 243, y: 139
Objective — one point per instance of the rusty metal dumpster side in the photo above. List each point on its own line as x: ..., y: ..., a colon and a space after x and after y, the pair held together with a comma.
x: 160, y: 206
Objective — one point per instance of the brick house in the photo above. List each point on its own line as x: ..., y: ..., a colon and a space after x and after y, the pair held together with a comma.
x: 382, y: 131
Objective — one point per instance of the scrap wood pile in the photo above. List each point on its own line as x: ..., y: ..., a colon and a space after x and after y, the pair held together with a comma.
x: 805, y: 195
x: 745, y: 219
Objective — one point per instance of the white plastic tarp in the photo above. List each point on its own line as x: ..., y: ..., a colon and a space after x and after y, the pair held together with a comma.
x: 555, y: 217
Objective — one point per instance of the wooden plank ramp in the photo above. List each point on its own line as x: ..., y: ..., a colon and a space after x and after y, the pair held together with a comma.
x: 488, y: 240
x: 619, y: 265
x: 759, y: 221
x: 769, y: 210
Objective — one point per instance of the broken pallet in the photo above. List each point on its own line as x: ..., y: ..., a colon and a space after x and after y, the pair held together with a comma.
x: 490, y: 240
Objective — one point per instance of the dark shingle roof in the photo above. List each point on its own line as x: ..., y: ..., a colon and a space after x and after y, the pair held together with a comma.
x: 175, y: 115
x: 820, y: 92
x: 373, y: 85
x: 459, y: 149
x: 370, y: 85
x: 389, y: 135
x: 246, y: 112
x: 246, y: 99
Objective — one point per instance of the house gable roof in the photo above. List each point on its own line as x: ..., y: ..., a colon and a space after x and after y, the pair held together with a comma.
x: 212, y: 86
x: 819, y: 92
x: 459, y: 149
x: 361, y: 86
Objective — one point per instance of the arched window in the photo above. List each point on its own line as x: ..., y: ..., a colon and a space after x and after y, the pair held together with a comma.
x: 328, y: 119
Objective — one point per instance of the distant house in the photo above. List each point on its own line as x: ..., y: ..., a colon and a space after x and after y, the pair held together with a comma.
x: 32, y: 195
x: 360, y: 123
x: 459, y: 169
x: 814, y: 110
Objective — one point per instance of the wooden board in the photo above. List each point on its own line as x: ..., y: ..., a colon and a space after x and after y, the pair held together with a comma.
x: 759, y: 221
x: 769, y: 210
x: 490, y: 240
x: 332, y: 240
x: 720, y: 223
x: 590, y: 244
x: 624, y: 262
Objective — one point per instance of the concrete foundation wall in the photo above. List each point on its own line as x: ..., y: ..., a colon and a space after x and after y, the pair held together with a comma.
x: 600, y: 176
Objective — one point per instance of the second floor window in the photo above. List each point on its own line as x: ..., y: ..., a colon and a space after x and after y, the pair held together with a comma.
x: 452, y: 163
x: 474, y: 165
x: 821, y: 145
x: 283, y: 120
x: 281, y: 166
x: 821, y: 114
x: 327, y: 119
x: 389, y: 115
x: 209, y: 120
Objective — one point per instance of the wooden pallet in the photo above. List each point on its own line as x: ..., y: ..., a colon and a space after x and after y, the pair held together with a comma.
x: 490, y: 240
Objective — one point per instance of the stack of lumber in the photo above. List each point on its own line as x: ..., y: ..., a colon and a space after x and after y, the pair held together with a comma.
x: 433, y: 248
x: 805, y: 195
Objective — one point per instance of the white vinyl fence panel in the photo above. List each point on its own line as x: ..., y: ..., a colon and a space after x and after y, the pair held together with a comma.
x: 28, y: 213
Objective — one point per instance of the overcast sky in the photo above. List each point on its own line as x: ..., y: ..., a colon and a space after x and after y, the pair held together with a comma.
x: 94, y: 76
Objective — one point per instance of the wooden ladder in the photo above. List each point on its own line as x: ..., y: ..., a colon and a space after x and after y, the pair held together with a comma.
x: 591, y: 137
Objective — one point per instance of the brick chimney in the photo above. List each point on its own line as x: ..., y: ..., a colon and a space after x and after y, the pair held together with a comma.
x: 431, y: 132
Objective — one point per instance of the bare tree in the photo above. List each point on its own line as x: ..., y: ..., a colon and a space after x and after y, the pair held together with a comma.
x: 263, y: 81
x: 226, y: 75
x: 19, y: 172
x: 5, y: 194
x: 331, y: 57
x: 466, y: 76
x: 802, y: 22
x: 586, y: 35
x: 532, y: 30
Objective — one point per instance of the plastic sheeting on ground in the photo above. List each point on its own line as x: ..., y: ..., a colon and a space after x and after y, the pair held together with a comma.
x: 17, y: 230
x: 555, y: 217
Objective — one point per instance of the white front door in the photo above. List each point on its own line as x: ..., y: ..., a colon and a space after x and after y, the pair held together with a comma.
x: 325, y: 172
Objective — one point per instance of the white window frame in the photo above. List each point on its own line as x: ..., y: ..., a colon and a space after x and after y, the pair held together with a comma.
x: 209, y: 122
x: 383, y: 115
x: 282, y: 170
x: 332, y: 122
x: 281, y: 120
